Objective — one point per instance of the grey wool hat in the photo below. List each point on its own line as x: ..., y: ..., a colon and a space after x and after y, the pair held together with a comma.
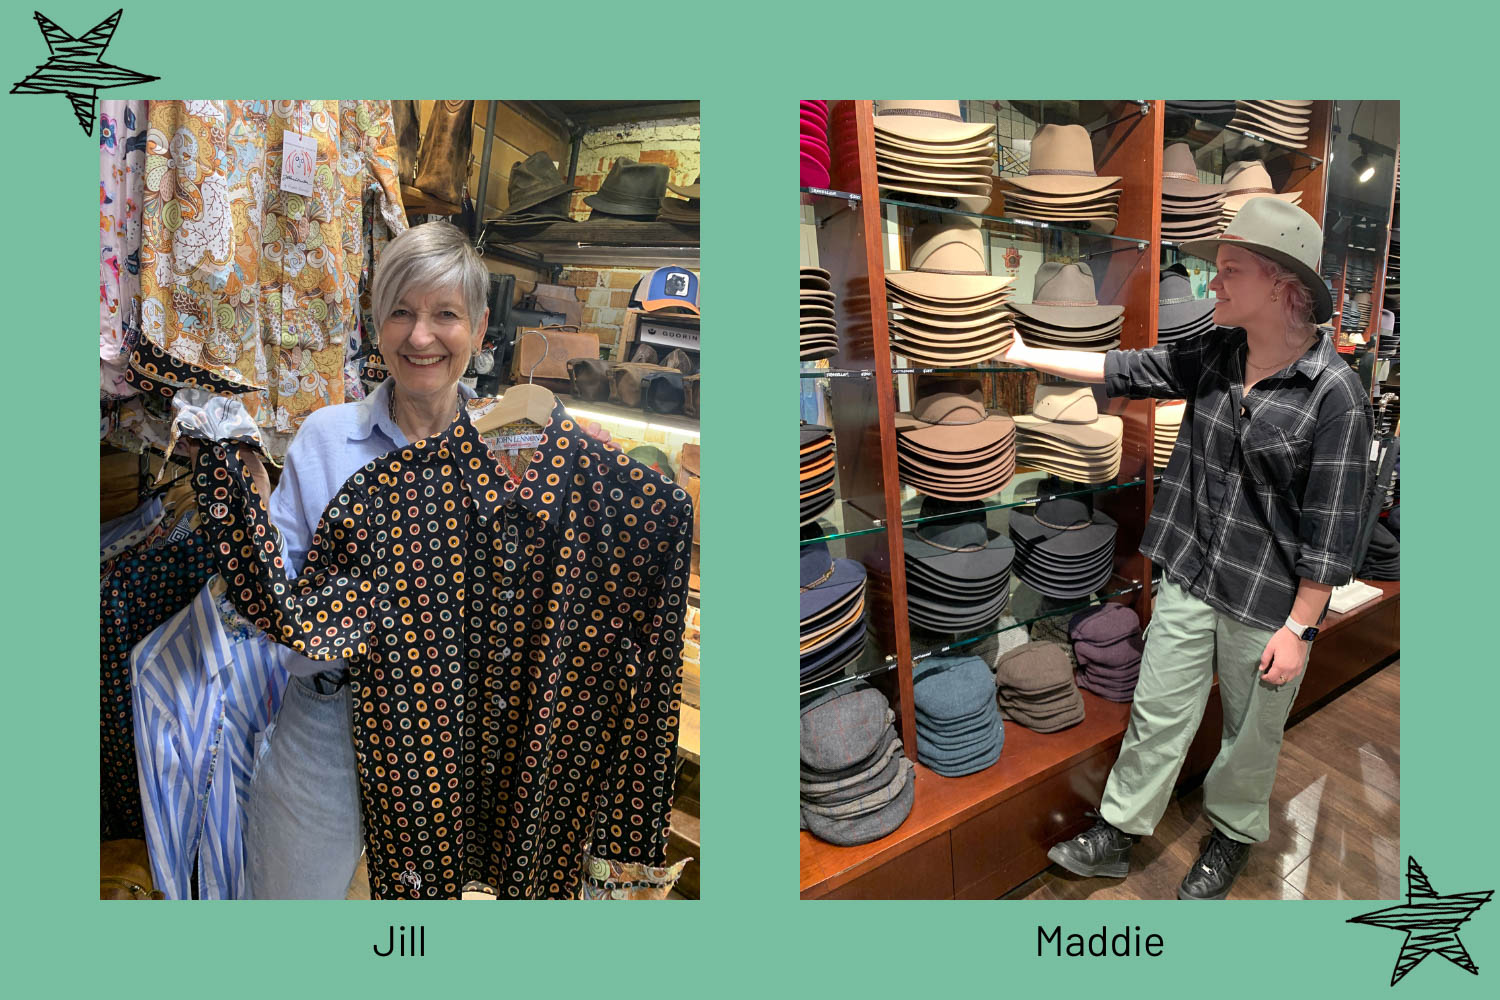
x: 848, y: 832
x: 844, y: 729
x: 951, y: 687
x: 1034, y: 667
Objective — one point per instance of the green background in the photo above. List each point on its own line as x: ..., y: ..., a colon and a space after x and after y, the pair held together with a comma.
x: 747, y: 63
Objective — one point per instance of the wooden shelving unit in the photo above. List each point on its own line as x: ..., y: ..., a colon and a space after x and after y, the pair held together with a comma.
x: 981, y: 835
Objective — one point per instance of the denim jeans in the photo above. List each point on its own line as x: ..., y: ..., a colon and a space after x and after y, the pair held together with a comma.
x: 303, y: 836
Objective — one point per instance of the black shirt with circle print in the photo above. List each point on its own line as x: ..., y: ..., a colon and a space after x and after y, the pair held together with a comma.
x: 514, y: 651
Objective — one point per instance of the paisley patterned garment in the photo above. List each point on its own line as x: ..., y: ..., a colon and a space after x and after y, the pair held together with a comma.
x: 514, y: 646
x: 247, y: 288
x: 122, y: 181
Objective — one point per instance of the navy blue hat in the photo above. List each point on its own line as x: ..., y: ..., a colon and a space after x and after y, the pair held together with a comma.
x: 826, y: 580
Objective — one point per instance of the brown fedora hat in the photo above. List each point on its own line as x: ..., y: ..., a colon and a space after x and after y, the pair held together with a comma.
x: 936, y: 122
x: 1179, y: 175
x: 948, y: 262
x: 949, y: 415
x: 1062, y: 162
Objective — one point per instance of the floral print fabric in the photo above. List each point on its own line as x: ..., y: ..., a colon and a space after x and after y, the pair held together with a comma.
x: 122, y: 180
x: 246, y: 288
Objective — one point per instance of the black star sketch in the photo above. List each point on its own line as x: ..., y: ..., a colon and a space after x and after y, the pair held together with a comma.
x: 76, y: 67
x: 1430, y: 921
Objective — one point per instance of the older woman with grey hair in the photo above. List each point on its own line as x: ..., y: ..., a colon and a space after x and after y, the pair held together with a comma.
x: 303, y: 837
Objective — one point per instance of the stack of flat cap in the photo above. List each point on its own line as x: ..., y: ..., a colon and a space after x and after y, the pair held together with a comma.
x: 817, y: 157
x: 949, y: 446
x: 820, y: 332
x: 1246, y: 179
x: 957, y: 570
x: 959, y: 730
x: 947, y: 309
x: 833, y: 613
x: 857, y: 785
x: 1107, y: 647
x: 1383, y: 558
x: 1060, y: 184
x: 1036, y: 689
x: 817, y: 471
x: 1063, y: 549
x: 1066, y: 435
x: 1178, y: 314
x: 924, y: 149
x: 1064, y: 311
x: 682, y: 211
x: 1284, y: 122
x: 1213, y: 112
x: 1168, y: 422
x: 1189, y: 207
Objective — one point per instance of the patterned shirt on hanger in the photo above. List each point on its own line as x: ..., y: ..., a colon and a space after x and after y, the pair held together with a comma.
x: 514, y: 648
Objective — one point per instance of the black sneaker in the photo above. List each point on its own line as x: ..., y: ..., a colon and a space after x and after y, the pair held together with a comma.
x: 1216, y: 868
x: 1101, y: 851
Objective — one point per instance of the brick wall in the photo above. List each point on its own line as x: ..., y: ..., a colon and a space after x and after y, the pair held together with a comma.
x: 604, y: 292
x: 673, y: 142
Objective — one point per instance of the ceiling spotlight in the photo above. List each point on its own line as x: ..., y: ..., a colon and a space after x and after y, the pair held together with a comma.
x: 1363, y: 168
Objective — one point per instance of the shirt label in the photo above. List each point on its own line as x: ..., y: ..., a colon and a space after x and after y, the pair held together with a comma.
x: 299, y: 155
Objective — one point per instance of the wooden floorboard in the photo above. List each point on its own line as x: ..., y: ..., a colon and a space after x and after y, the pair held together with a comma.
x: 1335, y: 815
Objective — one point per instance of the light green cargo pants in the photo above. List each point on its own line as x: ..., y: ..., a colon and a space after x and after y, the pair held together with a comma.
x: 1185, y: 643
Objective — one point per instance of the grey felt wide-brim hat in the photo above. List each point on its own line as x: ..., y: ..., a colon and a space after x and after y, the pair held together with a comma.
x: 1283, y: 232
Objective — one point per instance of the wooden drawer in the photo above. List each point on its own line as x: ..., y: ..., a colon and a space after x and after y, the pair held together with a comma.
x: 924, y: 872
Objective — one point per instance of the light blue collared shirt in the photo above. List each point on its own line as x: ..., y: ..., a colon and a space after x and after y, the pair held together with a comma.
x: 333, y: 444
x: 201, y: 694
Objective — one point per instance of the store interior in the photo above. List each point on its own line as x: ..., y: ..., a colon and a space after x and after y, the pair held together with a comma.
x: 922, y: 547
x: 573, y: 206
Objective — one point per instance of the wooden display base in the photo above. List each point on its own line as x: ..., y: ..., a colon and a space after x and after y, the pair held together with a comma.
x: 980, y: 836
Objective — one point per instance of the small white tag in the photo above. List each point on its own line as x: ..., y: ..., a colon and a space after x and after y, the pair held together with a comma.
x: 299, y: 155
x: 1374, y: 449
x: 515, y: 442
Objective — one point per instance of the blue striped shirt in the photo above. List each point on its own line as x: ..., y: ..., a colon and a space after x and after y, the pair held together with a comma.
x: 203, y: 692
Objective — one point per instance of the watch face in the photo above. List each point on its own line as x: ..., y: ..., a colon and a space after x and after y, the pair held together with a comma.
x: 1309, y: 634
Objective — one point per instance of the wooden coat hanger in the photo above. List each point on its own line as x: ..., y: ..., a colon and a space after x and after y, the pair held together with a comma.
x: 529, y: 402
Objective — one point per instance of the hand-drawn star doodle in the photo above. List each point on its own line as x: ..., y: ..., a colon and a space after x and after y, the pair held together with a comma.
x: 1430, y: 921
x: 76, y: 68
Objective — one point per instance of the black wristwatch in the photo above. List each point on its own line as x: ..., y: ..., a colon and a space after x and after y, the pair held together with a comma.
x: 1307, y: 633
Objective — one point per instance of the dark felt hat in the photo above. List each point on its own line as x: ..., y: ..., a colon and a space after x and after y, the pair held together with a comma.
x: 844, y: 729
x: 631, y: 189
x: 535, y: 181
x: 1104, y: 624
x: 1034, y: 667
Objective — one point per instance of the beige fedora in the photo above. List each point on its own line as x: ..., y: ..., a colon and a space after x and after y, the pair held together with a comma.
x: 1062, y: 162
x: 947, y: 262
x: 1064, y: 297
x: 936, y: 122
x: 1283, y: 232
x: 1179, y: 175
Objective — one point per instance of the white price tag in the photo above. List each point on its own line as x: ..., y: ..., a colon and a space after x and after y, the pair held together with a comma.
x: 299, y: 155
x: 1374, y: 449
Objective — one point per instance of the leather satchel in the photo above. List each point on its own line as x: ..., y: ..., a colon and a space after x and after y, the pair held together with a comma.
x: 661, y: 391
x: 443, y: 161
x: 690, y: 395
x: 625, y: 379
x: 590, y: 378
x: 548, y: 359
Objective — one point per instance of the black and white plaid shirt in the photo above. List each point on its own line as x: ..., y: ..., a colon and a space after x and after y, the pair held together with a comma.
x: 1261, y: 491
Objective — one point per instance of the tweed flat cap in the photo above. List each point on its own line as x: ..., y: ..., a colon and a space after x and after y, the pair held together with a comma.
x: 871, y: 801
x: 1051, y: 724
x: 1124, y: 652
x: 957, y: 769
x: 872, y: 826
x: 952, y: 729
x: 1109, y: 692
x: 1036, y: 666
x: 939, y: 745
x: 1104, y: 624
x: 845, y: 729
x: 858, y: 768
x: 951, y: 687
x: 882, y: 779
x: 815, y: 787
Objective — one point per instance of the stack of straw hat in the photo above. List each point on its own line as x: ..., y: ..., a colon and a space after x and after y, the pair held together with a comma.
x: 1284, y: 122
x: 1246, y: 179
x: 1189, y: 207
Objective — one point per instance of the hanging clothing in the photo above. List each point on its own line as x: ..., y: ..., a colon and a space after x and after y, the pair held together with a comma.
x: 140, y: 589
x: 514, y: 650
x: 122, y: 185
x: 204, y: 686
x: 246, y: 288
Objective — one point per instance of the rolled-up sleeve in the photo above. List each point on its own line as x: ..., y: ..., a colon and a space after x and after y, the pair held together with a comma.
x: 1166, y: 371
x: 1334, y: 500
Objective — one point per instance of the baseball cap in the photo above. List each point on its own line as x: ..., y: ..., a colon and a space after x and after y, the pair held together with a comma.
x: 665, y: 288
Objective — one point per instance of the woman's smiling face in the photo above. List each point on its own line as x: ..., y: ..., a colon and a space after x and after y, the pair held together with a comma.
x: 427, y: 340
x: 1242, y: 290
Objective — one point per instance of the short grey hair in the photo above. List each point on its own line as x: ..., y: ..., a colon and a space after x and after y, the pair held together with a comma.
x: 431, y: 256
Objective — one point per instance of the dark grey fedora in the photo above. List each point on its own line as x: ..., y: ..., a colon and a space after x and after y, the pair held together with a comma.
x: 1063, y: 527
x: 631, y: 189
x: 1176, y: 306
x: 960, y: 545
x: 533, y: 182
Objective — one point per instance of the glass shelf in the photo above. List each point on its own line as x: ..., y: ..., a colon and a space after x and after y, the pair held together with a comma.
x: 1105, y: 243
x: 960, y: 370
x: 861, y: 672
x: 1116, y: 587
x: 844, y: 520
x: 1009, y: 497
x: 837, y: 372
x: 1231, y: 142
